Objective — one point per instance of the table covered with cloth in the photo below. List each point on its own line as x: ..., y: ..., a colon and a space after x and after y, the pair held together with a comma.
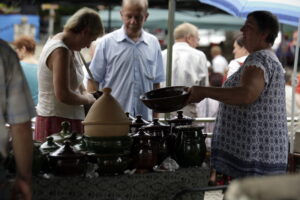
x: 152, y: 185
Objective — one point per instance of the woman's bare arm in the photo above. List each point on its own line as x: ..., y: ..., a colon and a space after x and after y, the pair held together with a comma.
x: 251, y: 86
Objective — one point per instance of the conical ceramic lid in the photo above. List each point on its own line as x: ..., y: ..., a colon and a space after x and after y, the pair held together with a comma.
x: 106, y: 110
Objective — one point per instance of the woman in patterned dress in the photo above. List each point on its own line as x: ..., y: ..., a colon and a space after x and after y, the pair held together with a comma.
x: 250, y: 136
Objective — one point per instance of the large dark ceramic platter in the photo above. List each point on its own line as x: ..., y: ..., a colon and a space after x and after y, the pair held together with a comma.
x: 168, y: 99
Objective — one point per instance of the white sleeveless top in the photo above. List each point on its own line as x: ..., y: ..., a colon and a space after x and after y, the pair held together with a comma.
x: 48, y: 104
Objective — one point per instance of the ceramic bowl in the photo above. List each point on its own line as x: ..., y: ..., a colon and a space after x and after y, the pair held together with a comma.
x: 115, y: 144
x: 168, y: 99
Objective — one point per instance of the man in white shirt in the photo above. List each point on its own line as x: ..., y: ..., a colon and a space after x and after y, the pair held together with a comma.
x: 189, y: 65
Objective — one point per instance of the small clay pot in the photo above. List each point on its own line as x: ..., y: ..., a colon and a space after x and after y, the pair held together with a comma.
x: 66, y: 161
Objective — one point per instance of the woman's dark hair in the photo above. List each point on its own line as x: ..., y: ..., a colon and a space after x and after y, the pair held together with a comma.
x: 239, y: 40
x: 267, y: 22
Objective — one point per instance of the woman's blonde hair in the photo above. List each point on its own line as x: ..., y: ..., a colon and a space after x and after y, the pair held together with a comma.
x: 85, y: 18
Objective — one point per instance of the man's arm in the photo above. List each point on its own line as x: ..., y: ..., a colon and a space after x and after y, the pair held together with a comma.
x: 23, y: 149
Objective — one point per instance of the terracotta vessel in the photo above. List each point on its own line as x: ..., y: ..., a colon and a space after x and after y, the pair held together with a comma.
x: 106, y: 117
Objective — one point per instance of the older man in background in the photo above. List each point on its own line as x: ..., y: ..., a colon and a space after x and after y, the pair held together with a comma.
x: 189, y: 65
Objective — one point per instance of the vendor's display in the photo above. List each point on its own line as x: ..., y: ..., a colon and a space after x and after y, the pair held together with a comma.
x: 115, y: 142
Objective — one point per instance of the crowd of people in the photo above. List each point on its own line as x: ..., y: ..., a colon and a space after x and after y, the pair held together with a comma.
x: 247, y: 96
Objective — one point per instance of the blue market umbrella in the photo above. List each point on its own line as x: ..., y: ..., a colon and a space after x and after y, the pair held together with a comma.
x: 287, y: 12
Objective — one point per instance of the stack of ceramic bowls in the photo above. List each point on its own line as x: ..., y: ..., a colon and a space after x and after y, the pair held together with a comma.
x: 106, y: 128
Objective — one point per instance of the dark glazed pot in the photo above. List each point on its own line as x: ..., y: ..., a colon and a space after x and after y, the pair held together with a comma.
x: 179, y: 120
x: 49, y: 146
x: 159, y: 133
x: 191, y: 147
x: 137, y: 124
x: 66, y: 161
x: 144, y: 158
x: 63, y: 134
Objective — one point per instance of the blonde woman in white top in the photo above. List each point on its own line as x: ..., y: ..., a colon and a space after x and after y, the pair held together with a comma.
x: 61, y: 91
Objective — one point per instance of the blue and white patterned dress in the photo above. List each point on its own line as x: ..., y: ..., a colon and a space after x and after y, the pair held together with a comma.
x: 252, y: 139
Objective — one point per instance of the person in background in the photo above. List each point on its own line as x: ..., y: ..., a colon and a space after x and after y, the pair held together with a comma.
x: 288, y: 97
x: 16, y: 110
x: 291, y: 50
x: 209, y: 108
x: 189, y: 64
x: 240, y: 54
x: 25, y: 48
x: 129, y: 60
x: 60, y: 75
x: 250, y: 136
x: 219, y: 63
